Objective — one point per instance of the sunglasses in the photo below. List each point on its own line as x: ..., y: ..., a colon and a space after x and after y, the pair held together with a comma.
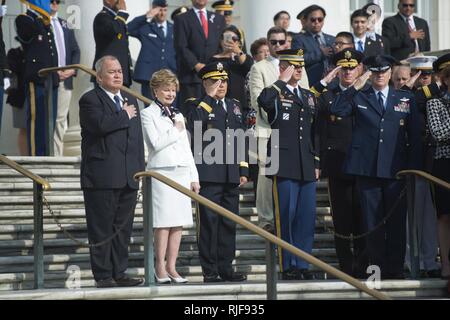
x: 340, y: 44
x: 320, y: 19
x: 280, y: 42
x: 406, y: 5
x: 55, y: 1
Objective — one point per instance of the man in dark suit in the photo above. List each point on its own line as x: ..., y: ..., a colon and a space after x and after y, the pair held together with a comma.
x: 112, y: 151
x: 197, y: 38
x: 221, y: 173
x: 335, y: 139
x: 364, y: 43
x: 406, y: 33
x: 111, y: 35
x: 68, y: 53
x: 385, y: 140
x: 36, y: 36
x: 317, y: 46
x: 157, y: 49
x: 291, y: 112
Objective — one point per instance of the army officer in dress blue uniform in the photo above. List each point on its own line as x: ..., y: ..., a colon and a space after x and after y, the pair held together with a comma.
x: 292, y: 111
x: 35, y: 34
x: 157, y: 51
x: 221, y: 172
x: 335, y: 140
x: 385, y: 141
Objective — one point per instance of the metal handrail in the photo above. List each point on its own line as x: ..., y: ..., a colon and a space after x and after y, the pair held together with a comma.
x: 46, y: 71
x: 27, y: 173
x: 426, y: 176
x: 39, y: 185
x: 264, y: 234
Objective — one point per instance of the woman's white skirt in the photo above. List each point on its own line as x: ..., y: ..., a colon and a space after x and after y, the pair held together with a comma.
x: 170, y: 207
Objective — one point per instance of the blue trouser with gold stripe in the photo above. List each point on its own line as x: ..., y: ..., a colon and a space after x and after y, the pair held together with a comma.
x: 295, y: 217
x: 37, y: 116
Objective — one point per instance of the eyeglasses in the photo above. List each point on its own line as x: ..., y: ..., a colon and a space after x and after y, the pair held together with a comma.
x: 319, y: 19
x: 55, y: 1
x: 279, y: 42
x: 406, y: 5
x: 340, y: 43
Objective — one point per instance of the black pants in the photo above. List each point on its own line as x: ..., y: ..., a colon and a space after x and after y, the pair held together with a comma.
x: 347, y: 219
x: 106, y: 211
x: 386, y: 246
x: 217, y: 236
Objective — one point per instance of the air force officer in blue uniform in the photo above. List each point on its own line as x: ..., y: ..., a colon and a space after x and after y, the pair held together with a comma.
x: 292, y: 112
x: 385, y: 141
x: 157, y: 52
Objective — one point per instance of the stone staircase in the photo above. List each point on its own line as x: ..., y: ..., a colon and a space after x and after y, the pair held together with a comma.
x: 66, y: 200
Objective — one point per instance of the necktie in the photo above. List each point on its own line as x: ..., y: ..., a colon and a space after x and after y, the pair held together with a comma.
x: 360, y: 46
x: 60, y: 47
x: 118, y: 105
x: 296, y: 92
x: 317, y: 37
x: 204, y: 23
x: 408, y: 22
x: 162, y: 31
x: 380, y: 99
x: 220, y: 105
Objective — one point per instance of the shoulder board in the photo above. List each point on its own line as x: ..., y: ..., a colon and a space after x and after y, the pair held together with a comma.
x: 190, y: 100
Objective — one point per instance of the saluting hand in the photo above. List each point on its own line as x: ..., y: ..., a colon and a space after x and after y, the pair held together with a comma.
x: 286, y: 75
x: 410, y: 83
x: 131, y: 110
x: 153, y: 12
x: 361, y: 81
x: 211, y: 90
x: 330, y: 76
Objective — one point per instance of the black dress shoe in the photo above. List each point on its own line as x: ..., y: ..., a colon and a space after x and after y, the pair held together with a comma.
x: 290, y: 274
x: 234, y: 277
x: 128, y: 282
x: 211, y: 278
x: 106, y: 283
x: 434, y: 274
x: 304, y: 274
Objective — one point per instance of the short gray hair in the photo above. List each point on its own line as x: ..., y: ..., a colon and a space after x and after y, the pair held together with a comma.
x: 100, y: 62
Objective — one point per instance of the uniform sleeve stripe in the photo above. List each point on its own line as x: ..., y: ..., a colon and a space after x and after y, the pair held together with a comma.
x: 206, y: 106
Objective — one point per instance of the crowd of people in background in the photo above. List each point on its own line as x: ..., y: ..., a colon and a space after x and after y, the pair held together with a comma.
x: 355, y: 108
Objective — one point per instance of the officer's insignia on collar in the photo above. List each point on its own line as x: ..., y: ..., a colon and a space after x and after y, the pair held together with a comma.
x: 219, y: 67
x: 119, y: 36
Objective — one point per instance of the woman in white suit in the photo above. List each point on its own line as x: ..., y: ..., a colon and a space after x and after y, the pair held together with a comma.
x: 169, y: 154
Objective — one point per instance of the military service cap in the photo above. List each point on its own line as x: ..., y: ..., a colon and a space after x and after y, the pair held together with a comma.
x: 293, y: 56
x: 380, y: 63
x: 178, y: 11
x: 423, y: 63
x: 214, y: 71
x: 442, y: 63
x: 348, y: 58
x: 159, y: 3
x: 225, y: 6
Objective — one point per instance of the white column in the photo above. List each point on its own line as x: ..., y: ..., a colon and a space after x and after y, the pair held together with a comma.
x: 85, y: 37
x: 256, y: 16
